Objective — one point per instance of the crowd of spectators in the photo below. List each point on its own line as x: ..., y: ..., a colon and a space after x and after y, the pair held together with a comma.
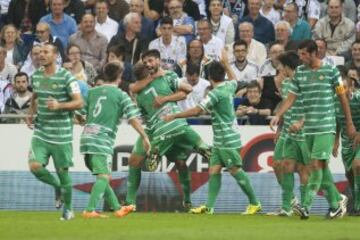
x: 189, y: 34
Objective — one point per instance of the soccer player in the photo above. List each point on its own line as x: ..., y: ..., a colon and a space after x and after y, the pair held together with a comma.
x: 105, y: 107
x: 226, y: 142
x: 317, y: 84
x: 156, y: 95
x: 350, y: 154
x: 56, y: 96
x: 291, y: 150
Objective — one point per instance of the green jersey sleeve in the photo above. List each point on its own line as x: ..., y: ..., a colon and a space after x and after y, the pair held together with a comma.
x: 173, y: 80
x: 129, y: 108
x: 209, y: 102
x: 294, y: 84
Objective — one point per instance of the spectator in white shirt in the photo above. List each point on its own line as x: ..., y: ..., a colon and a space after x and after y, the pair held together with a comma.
x: 267, y: 10
x: 199, y: 86
x: 104, y: 24
x: 172, y: 48
x: 212, y: 44
x: 245, y: 70
x: 33, y: 62
x: 7, y: 70
x: 256, y: 50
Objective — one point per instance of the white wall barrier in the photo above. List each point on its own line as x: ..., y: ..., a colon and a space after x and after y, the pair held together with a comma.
x: 257, y: 149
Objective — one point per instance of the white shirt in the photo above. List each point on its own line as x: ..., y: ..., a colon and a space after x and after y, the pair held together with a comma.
x: 4, y: 6
x: 29, y: 69
x: 267, y: 69
x: 109, y: 28
x: 197, y: 94
x: 312, y: 9
x: 171, y: 54
x: 256, y: 53
x: 5, y: 93
x: 273, y: 16
x: 9, y: 56
x: 213, y: 48
x: 248, y: 73
x: 202, y: 6
x: 8, y: 73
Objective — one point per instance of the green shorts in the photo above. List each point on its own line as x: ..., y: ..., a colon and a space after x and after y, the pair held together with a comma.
x: 225, y: 157
x: 279, y: 149
x: 296, y: 150
x: 41, y: 151
x: 320, y: 146
x: 176, y: 146
x: 98, y: 164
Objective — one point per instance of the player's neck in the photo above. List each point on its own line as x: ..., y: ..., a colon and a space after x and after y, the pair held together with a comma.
x: 50, y: 69
x: 315, y: 64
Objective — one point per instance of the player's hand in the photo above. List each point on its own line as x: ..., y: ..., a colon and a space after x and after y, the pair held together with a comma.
x: 158, y: 101
x: 274, y: 123
x: 276, y: 138
x: 147, y: 145
x: 296, y: 127
x: 356, y: 140
x: 168, y: 118
x: 335, y: 149
x: 53, y: 104
x: 351, y: 131
x: 29, y: 121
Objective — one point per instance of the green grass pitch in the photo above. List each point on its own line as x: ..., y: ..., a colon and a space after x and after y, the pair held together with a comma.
x: 148, y: 226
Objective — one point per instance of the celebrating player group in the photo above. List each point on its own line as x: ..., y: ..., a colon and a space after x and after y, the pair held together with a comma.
x: 318, y: 107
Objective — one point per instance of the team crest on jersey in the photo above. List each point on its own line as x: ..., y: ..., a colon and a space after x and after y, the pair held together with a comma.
x: 36, y: 84
x: 321, y: 77
x: 55, y: 86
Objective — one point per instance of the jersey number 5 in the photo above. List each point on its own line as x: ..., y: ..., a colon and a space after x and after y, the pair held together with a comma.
x: 98, y: 106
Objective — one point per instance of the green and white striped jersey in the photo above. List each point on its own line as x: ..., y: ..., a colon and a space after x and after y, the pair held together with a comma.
x: 105, y: 107
x: 54, y: 126
x: 354, y: 104
x: 219, y: 102
x: 294, y: 114
x: 162, y: 86
x: 317, y: 88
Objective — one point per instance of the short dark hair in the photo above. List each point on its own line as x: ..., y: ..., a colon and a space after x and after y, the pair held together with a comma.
x: 322, y: 40
x: 309, y: 45
x: 295, y: 6
x: 118, y: 50
x: 240, y: 42
x: 254, y: 84
x: 55, y: 48
x: 341, y: 2
x: 71, y: 46
x: 151, y: 53
x: 357, y: 41
x: 112, y: 71
x: 21, y: 74
x: 140, y: 71
x: 166, y: 20
x: 289, y: 59
x: 216, y: 71
x: 192, y: 69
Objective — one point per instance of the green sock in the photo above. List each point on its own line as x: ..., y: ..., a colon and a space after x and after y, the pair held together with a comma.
x: 133, y: 183
x: 302, y: 194
x: 45, y: 176
x: 66, y: 187
x: 244, y: 182
x: 97, y: 192
x: 214, y: 188
x: 313, y: 187
x: 330, y: 190
x: 357, y: 193
x: 185, y: 180
x: 288, y: 190
x: 111, y: 198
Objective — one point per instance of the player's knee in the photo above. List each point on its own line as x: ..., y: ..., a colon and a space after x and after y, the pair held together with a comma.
x: 135, y: 161
x: 233, y: 170
x: 215, y: 169
x: 104, y: 176
x: 181, y: 165
x: 288, y: 166
x: 34, y: 166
